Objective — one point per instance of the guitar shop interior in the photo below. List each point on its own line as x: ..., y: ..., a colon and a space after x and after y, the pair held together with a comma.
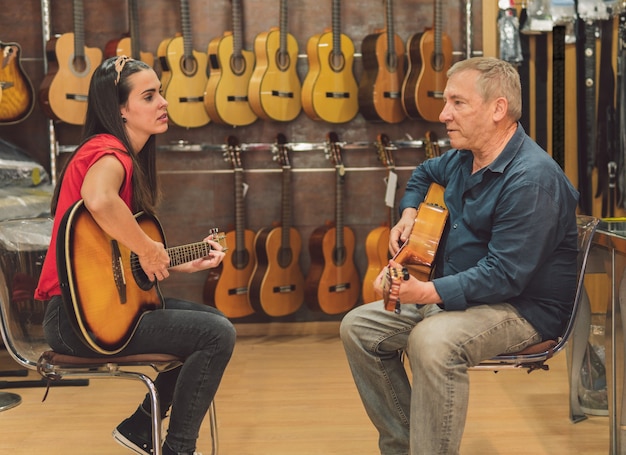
x: 289, y: 159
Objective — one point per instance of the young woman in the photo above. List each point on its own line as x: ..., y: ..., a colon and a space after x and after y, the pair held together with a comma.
x: 113, y: 171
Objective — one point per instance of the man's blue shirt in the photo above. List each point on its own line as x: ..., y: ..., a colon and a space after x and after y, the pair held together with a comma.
x: 511, y: 233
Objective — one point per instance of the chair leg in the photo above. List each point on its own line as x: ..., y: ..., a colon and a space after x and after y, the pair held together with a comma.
x: 576, y: 354
x: 213, y: 425
x: 155, y: 410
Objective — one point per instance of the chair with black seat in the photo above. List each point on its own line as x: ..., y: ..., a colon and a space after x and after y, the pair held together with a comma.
x: 575, y: 336
x: 20, y: 323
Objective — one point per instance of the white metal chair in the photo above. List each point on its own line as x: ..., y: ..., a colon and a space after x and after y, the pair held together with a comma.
x: 21, y: 325
x: 576, y: 333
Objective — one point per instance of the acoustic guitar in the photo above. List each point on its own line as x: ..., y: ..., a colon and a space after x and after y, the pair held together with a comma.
x: 277, y: 284
x: 183, y: 76
x: 430, y: 57
x: 129, y: 44
x: 63, y: 91
x: 275, y: 90
x: 17, y: 95
x: 377, y: 240
x: 332, y: 283
x: 226, y: 100
x: 228, y: 292
x: 380, y: 87
x: 104, y: 288
x: 330, y: 90
x: 417, y: 255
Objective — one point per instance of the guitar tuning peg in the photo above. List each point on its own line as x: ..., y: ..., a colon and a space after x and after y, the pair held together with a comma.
x: 405, y: 274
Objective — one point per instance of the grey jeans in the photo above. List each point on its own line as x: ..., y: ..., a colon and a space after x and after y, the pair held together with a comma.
x: 425, y: 415
x: 199, y: 333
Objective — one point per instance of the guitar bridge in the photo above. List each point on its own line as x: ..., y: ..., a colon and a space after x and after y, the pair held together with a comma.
x: 118, y: 271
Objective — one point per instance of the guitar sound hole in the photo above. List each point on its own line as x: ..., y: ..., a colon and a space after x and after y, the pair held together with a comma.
x: 282, y: 60
x: 392, y: 61
x: 79, y: 65
x: 284, y: 257
x: 139, y: 275
x: 237, y: 64
x: 339, y: 255
x: 336, y: 61
x: 437, y: 61
x: 240, y: 259
x: 188, y: 65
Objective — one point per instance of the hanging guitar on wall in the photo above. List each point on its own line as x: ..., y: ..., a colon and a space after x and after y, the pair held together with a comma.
x: 17, y: 95
x: 63, y: 91
x: 130, y: 44
x: 430, y: 58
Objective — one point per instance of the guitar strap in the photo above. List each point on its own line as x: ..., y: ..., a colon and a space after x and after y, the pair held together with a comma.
x: 558, y: 94
x: 524, y: 71
x: 541, y: 90
x: 585, y: 106
x: 606, y: 131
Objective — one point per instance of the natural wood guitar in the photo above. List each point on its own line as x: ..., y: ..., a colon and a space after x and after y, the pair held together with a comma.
x: 330, y: 90
x: 418, y: 253
x: 332, y: 283
x: 277, y: 285
x: 130, y: 44
x: 63, y: 91
x: 377, y: 240
x: 17, y: 95
x: 275, y: 89
x: 228, y: 292
x: 430, y: 57
x: 183, y: 76
x: 226, y: 100
x: 105, y: 290
x: 380, y: 87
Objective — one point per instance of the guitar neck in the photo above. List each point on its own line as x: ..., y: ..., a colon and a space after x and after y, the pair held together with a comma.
x: 134, y: 29
x: 186, y: 27
x: 340, y: 174
x: 79, y: 30
x: 237, y: 29
x: 438, y: 25
x: 391, y: 42
x: 186, y: 253
x: 336, y: 29
x: 286, y: 206
x: 240, y: 217
x: 283, y: 28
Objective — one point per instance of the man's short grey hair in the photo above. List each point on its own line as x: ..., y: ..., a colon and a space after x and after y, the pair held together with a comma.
x: 497, y: 79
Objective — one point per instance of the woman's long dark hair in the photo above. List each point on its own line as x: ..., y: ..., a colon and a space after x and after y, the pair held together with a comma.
x: 103, y: 116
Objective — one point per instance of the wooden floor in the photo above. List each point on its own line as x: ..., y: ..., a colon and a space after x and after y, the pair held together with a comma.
x: 293, y: 395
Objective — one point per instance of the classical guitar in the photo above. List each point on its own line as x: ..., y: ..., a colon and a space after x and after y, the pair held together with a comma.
x: 275, y: 90
x: 104, y: 288
x: 330, y: 90
x: 129, y: 44
x: 63, y: 91
x: 226, y: 100
x: 183, y: 76
x: 380, y: 87
x: 17, y: 98
x: 277, y: 285
x: 430, y: 57
x: 229, y: 291
x: 332, y: 283
x: 377, y: 240
x: 418, y: 253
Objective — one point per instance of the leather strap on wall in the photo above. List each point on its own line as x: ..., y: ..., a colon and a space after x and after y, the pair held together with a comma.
x: 558, y: 94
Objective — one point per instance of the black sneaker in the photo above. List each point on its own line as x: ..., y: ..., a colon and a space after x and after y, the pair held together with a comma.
x: 133, y: 437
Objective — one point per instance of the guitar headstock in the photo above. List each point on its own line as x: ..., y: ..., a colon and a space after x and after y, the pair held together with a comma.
x: 431, y: 145
x: 232, y: 153
x: 383, y: 150
x: 280, y: 149
x: 392, y: 279
x: 334, y: 149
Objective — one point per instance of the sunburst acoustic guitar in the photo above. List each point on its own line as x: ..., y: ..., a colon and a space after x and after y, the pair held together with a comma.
x: 332, y: 282
x: 417, y: 255
x: 17, y: 95
x: 183, y: 76
x: 226, y: 100
x: 430, y: 57
x: 380, y: 86
x: 63, y: 91
x: 330, y: 90
x: 228, y: 292
x: 105, y: 290
x: 277, y: 284
x: 377, y: 240
x: 275, y: 89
